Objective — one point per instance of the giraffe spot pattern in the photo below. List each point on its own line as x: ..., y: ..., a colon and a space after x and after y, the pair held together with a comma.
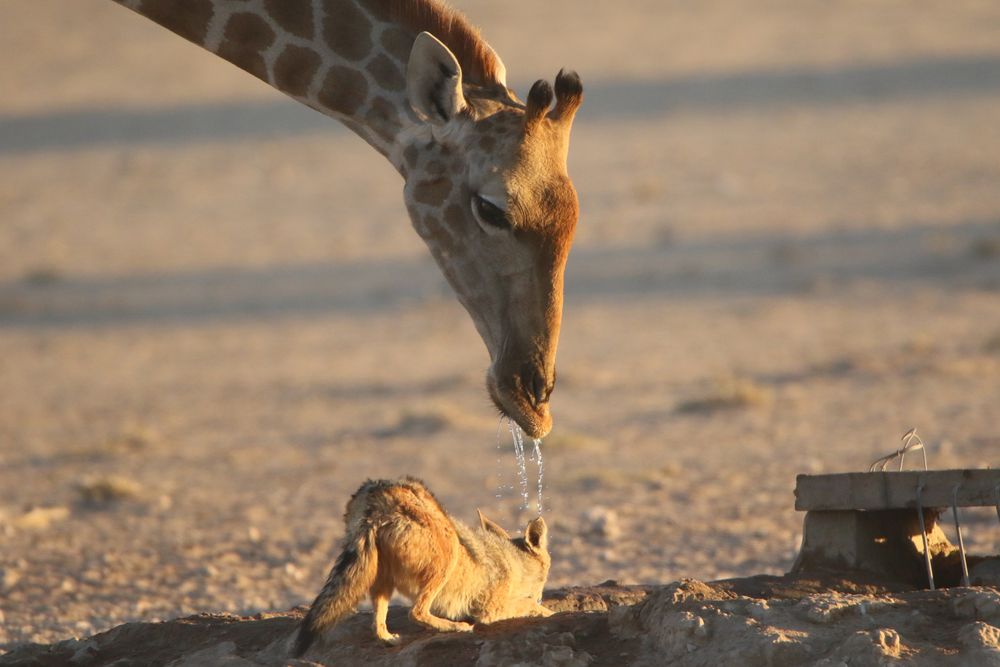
x: 454, y: 216
x: 387, y: 73
x: 417, y: 219
x: 188, y: 18
x: 397, y: 42
x: 295, y: 16
x: 411, y: 155
x: 245, y: 37
x: 344, y: 90
x: 435, y: 168
x: 380, y: 9
x: 443, y: 241
x: 295, y: 69
x: 382, y: 118
x: 432, y: 192
x: 347, y: 30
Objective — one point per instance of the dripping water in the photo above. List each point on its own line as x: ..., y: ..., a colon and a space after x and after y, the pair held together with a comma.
x: 522, y: 470
x: 522, y: 456
x: 541, y: 470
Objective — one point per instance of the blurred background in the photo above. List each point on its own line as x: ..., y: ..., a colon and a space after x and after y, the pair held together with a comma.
x: 216, y: 322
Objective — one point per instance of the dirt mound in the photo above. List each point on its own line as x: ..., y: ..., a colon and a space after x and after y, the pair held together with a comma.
x: 789, y: 620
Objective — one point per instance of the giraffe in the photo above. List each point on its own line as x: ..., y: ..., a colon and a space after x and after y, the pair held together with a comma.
x: 485, y: 177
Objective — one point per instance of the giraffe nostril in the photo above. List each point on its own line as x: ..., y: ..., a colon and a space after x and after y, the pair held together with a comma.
x: 535, y: 386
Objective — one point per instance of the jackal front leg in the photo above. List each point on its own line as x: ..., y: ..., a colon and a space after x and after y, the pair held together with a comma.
x: 421, y: 612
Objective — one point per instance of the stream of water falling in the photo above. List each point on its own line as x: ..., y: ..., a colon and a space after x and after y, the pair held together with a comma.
x: 541, y: 470
x: 522, y: 469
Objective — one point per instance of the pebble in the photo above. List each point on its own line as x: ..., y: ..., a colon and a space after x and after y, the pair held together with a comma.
x: 41, y: 518
x: 603, y: 523
x: 979, y: 635
x: 9, y: 578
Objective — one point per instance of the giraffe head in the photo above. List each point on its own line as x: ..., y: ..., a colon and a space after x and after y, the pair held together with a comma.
x: 488, y: 190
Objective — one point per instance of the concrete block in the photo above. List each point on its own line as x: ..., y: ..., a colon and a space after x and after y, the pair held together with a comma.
x: 896, y: 490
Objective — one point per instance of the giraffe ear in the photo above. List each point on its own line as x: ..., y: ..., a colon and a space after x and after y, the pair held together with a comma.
x: 434, y: 80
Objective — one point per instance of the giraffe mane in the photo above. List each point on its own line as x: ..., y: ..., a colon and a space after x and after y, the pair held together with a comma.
x: 480, y: 63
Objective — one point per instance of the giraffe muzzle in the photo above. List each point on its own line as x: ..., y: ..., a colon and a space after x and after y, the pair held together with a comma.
x: 524, y: 398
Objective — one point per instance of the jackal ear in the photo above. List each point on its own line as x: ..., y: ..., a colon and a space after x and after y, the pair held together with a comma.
x: 536, y: 535
x: 434, y: 80
x: 491, y: 527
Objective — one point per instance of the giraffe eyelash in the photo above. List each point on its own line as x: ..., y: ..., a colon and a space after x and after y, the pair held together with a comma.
x: 489, y: 215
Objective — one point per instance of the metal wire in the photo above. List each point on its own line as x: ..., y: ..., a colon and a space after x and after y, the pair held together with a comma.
x: 911, y: 441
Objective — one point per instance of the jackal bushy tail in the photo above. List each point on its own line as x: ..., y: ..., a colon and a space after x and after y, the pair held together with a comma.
x: 349, y: 581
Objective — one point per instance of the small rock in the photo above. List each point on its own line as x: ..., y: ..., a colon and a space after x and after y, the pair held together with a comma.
x: 688, y: 589
x: 103, y: 490
x: 888, y: 640
x: 603, y: 523
x: 982, y: 604
x: 980, y: 635
x: 40, y: 518
x: 867, y: 646
x: 826, y: 609
x: 8, y: 578
x: 781, y: 648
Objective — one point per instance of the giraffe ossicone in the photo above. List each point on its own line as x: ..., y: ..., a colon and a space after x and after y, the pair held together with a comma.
x: 486, y: 182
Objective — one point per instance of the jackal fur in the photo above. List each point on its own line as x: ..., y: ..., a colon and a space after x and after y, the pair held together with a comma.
x: 400, y: 538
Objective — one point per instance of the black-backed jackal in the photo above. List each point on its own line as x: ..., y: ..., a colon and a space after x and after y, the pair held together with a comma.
x: 400, y: 538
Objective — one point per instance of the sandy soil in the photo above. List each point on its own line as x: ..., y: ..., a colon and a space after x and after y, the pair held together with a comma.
x: 760, y: 621
x: 215, y: 321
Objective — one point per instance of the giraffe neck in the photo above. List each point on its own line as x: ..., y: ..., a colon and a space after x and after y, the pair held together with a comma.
x: 344, y: 58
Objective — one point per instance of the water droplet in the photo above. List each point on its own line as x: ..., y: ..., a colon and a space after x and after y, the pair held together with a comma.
x: 522, y: 471
x: 541, y: 470
x: 500, y: 484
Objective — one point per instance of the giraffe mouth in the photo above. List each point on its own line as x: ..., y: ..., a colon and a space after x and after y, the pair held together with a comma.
x: 530, y: 412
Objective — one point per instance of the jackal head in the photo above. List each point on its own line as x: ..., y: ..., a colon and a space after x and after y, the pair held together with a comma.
x: 528, y: 562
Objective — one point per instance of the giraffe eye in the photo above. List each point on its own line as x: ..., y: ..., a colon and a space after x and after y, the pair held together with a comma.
x: 489, y: 214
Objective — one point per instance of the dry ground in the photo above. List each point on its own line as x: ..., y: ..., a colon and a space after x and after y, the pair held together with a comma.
x: 215, y: 321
